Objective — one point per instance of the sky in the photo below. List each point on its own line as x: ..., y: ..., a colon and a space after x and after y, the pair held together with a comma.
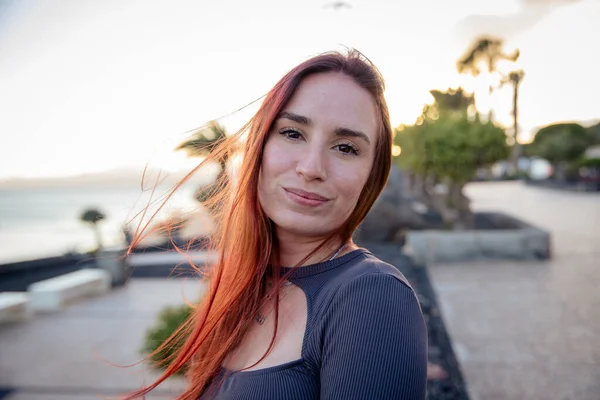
x: 89, y: 86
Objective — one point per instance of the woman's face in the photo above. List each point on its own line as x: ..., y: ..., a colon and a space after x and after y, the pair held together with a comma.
x: 318, y: 155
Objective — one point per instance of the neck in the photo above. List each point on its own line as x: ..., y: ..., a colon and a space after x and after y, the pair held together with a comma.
x: 293, y: 249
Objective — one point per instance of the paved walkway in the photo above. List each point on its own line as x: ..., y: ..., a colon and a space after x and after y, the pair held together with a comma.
x: 529, y: 330
x: 59, y: 356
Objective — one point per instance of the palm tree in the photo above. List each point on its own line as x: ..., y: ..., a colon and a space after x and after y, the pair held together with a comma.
x: 92, y: 216
x: 204, y: 142
x: 515, y: 78
x: 488, y: 51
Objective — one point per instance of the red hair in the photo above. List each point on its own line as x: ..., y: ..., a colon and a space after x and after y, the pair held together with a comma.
x: 244, y: 237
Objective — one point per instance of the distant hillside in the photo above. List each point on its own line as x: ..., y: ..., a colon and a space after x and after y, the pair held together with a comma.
x: 116, y: 177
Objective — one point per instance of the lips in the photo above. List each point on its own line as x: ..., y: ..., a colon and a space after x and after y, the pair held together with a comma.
x: 306, y: 195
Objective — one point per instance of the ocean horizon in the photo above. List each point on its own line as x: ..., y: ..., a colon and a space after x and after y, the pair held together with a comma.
x: 40, y: 222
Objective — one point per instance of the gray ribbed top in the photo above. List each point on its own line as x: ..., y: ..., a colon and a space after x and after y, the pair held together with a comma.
x: 365, y: 338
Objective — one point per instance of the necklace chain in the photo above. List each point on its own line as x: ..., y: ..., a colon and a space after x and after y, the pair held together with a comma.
x: 260, y: 318
x: 337, y: 252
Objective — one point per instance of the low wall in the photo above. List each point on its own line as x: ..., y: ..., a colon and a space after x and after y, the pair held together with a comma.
x: 571, y: 186
x: 520, y: 241
x: 19, y: 275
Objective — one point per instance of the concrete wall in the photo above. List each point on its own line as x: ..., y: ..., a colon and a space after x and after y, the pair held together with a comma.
x: 434, y: 246
x: 18, y: 276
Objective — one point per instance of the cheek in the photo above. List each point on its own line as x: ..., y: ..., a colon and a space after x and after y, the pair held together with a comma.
x: 351, y: 183
x: 274, y: 161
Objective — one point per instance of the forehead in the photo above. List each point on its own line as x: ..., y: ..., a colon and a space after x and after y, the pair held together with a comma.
x: 335, y: 100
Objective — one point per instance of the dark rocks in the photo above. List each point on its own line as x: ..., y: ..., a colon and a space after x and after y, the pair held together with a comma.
x: 5, y: 392
x: 394, y: 211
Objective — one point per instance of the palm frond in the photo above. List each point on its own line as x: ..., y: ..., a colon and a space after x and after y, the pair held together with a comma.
x: 205, y: 140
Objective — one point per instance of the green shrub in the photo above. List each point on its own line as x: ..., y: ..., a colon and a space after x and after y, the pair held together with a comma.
x: 516, y: 176
x: 562, y: 142
x: 573, y: 171
x: 588, y: 162
x: 169, y: 320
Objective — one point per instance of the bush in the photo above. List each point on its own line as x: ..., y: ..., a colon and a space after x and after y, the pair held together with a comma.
x: 576, y: 170
x: 563, y: 142
x: 169, y: 320
x: 516, y: 176
x: 588, y: 162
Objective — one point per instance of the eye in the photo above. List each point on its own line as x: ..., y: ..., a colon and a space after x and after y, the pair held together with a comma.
x: 347, y: 148
x: 291, y: 133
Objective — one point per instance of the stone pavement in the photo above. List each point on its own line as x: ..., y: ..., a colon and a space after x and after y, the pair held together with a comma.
x: 62, y: 356
x: 529, y: 330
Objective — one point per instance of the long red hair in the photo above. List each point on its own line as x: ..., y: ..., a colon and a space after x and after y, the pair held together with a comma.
x: 244, y: 236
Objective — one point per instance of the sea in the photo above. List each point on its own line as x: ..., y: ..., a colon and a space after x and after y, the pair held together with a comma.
x: 39, y: 222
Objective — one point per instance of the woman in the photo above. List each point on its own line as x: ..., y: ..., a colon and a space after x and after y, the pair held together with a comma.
x: 294, y: 309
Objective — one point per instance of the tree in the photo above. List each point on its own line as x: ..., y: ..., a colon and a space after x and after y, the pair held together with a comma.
x: 92, y: 216
x: 443, y: 152
x: 203, y: 143
x: 515, y: 78
x: 488, y: 52
x: 594, y: 132
x: 561, y: 144
x: 451, y: 100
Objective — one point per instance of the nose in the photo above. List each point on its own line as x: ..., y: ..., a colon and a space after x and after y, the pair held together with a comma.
x: 312, y: 164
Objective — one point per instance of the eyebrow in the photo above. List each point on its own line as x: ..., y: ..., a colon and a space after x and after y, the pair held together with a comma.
x: 345, y: 132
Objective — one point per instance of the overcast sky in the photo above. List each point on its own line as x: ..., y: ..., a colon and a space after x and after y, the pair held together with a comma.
x: 93, y: 85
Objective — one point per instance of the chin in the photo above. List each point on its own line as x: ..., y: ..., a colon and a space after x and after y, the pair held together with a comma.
x: 306, y: 227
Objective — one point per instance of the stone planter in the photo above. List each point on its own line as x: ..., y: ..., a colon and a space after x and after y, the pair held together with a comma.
x: 498, y: 236
x: 114, y: 262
